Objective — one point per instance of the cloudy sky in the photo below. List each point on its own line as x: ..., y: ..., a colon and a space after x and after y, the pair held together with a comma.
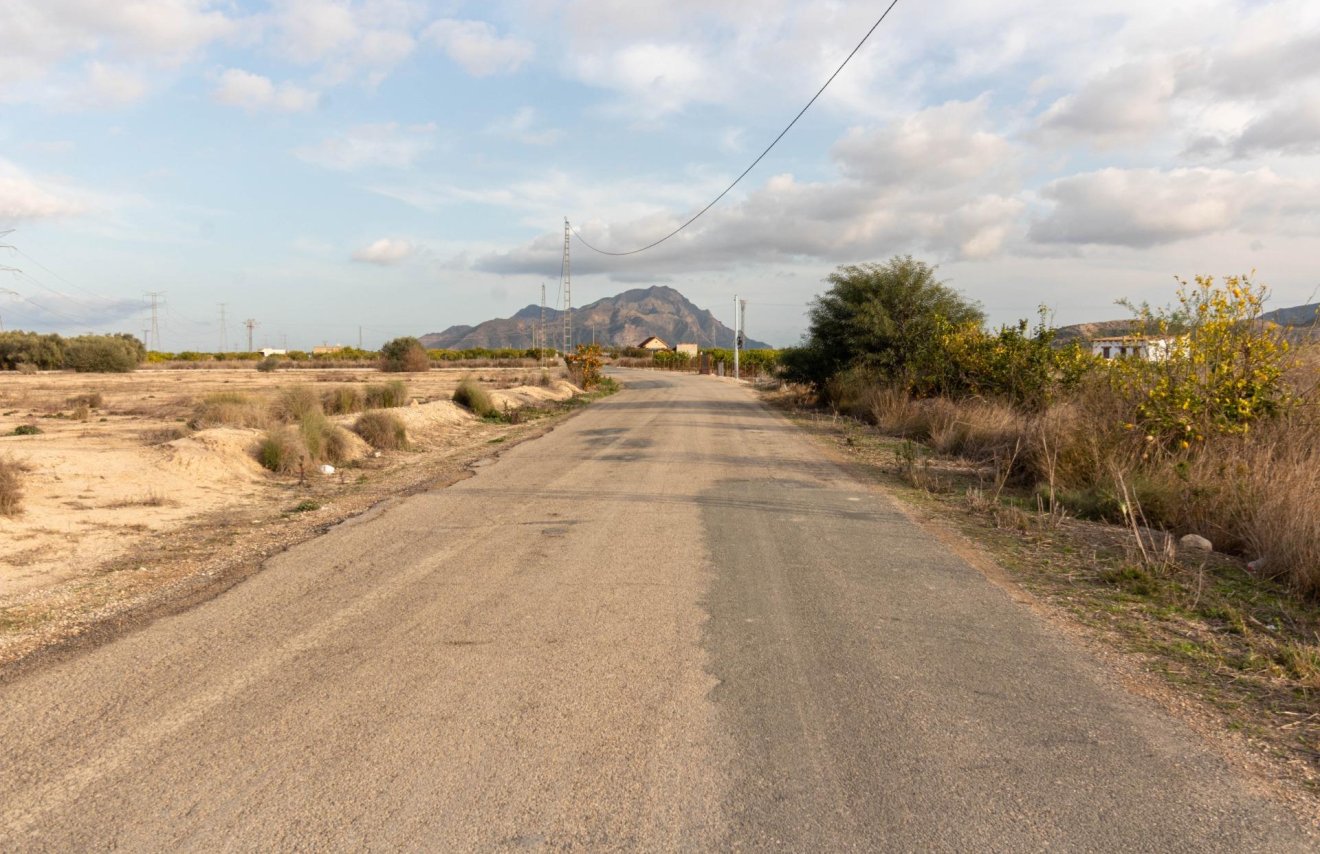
x: 404, y: 165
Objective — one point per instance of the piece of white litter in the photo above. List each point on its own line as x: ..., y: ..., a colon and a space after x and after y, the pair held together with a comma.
x: 327, y: 469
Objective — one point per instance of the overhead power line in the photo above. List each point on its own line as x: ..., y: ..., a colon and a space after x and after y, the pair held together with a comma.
x: 759, y: 157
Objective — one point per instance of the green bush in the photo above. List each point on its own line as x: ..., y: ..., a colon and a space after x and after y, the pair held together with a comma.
x: 475, y: 398
x: 27, y: 430
x: 386, y: 395
x: 40, y: 352
x: 107, y: 354
x: 404, y: 354
x: 383, y: 431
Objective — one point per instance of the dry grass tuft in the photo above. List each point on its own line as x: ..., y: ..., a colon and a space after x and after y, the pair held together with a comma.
x: 296, y: 403
x: 382, y: 431
x: 11, y: 486
x: 230, y: 409
x: 281, y: 450
x: 343, y: 400
x: 475, y: 398
x: 386, y: 395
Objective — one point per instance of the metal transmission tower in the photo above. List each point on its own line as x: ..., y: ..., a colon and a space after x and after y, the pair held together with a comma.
x: 567, y: 277
x: 250, y: 324
x: 541, y: 350
x: 154, y: 343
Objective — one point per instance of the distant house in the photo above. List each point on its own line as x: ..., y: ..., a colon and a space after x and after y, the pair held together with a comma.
x: 267, y: 352
x: 326, y: 349
x: 689, y: 349
x: 653, y: 343
x: 1137, y: 346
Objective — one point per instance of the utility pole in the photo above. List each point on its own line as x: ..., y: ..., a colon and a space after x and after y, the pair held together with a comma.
x: 155, y: 323
x: 224, y: 340
x: 359, y: 337
x: 567, y: 275
x: 250, y: 324
x: 736, y: 336
x: 541, y: 353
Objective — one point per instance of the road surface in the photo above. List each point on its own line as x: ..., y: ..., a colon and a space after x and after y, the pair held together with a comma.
x: 670, y: 624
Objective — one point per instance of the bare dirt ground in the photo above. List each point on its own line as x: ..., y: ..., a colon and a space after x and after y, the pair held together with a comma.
x: 114, y: 506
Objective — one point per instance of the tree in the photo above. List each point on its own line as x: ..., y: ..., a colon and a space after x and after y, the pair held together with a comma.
x: 106, y: 354
x: 404, y: 354
x: 883, y: 319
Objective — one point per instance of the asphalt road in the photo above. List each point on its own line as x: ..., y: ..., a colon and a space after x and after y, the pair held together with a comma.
x: 669, y: 624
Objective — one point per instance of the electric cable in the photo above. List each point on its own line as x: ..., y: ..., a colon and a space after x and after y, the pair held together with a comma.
x: 759, y: 158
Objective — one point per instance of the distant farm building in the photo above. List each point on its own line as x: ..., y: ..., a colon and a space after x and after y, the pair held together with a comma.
x: 653, y: 343
x: 267, y: 352
x: 326, y: 349
x: 688, y: 349
x: 1135, y: 346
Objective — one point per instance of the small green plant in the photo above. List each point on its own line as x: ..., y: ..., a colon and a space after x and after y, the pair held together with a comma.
x: 305, y: 506
x: 383, y: 431
x: 27, y: 430
x: 473, y: 397
x: 11, y: 486
x: 386, y: 395
x: 343, y: 400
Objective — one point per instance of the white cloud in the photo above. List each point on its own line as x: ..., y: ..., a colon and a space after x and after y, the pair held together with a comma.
x: 23, y: 197
x: 110, y: 85
x: 1141, y: 208
x: 477, y: 47
x: 1127, y: 102
x: 239, y: 88
x: 389, y: 145
x: 385, y: 251
x: 523, y: 126
x: 1291, y: 128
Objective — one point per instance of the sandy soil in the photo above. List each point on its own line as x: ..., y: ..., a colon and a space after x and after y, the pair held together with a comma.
x: 132, y: 471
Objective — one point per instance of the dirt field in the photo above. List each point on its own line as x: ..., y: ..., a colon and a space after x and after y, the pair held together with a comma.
x: 132, y: 470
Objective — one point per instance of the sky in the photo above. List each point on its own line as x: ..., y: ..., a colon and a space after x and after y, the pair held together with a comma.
x: 334, y: 169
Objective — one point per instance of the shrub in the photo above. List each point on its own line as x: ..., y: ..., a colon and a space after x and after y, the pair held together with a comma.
x: 27, y: 430
x: 30, y: 352
x: 342, y: 400
x: 103, y: 354
x: 11, y: 486
x: 382, y: 430
x: 26, y: 368
x: 294, y: 404
x: 281, y: 450
x: 386, y: 395
x: 404, y: 354
x: 585, y: 364
x: 229, y: 409
x: 268, y: 364
x: 475, y: 398
x: 82, y: 412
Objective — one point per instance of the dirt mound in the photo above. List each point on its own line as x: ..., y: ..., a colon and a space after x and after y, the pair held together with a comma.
x: 533, y: 395
x: 221, y: 453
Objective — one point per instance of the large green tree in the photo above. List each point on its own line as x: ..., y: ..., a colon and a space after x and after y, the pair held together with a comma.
x: 880, y: 318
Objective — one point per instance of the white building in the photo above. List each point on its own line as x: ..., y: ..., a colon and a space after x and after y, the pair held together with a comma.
x: 267, y: 352
x: 1138, y: 346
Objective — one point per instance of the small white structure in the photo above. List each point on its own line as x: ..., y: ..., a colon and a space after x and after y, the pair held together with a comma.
x: 653, y: 343
x: 689, y: 349
x: 1136, y: 346
x: 267, y: 352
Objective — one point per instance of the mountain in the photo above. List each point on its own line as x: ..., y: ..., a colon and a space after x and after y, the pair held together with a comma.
x: 1301, y: 323
x: 624, y: 320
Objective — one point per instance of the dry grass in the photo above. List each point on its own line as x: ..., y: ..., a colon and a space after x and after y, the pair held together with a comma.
x: 382, y: 431
x: 322, y: 440
x: 230, y: 409
x: 294, y: 404
x: 281, y: 450
x: 343, y: 400
x: 472, y: 396
x: 11, y: 486
x: 386, y: 395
